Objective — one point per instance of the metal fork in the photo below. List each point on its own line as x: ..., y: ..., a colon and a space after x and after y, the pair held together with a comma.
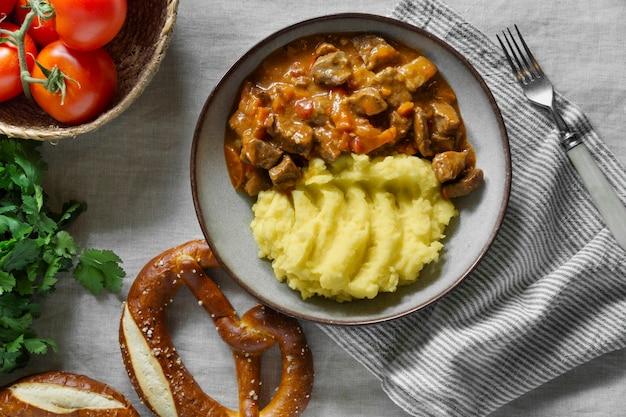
x: 536, y: 85
x: 538, y: 89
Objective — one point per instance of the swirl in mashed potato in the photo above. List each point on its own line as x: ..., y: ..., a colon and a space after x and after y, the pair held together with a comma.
x: 355, y: 228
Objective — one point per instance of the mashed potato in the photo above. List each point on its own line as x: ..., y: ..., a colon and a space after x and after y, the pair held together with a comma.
x: 354, y: 229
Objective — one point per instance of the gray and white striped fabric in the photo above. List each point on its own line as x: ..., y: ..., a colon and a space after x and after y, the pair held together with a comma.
x: 551, y: 292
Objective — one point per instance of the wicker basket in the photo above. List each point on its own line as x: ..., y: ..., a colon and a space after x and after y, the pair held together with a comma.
x: 137, y: 51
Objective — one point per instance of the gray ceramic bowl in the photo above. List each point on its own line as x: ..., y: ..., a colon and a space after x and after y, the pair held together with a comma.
x: 225, y: 215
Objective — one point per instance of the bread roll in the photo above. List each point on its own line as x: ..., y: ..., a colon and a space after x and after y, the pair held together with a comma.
x: 63, y: 394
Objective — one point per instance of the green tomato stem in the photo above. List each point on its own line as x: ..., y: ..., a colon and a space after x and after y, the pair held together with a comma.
x: 41, y: 10
x: 19, y: 36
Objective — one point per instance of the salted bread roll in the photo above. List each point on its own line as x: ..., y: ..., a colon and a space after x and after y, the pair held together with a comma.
x: 53, y: 394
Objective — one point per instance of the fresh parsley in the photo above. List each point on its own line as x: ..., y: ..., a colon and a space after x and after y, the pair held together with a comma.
x: 34, y: 249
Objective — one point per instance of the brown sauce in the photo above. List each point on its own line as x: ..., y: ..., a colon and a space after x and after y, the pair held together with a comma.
x: 325, y: 95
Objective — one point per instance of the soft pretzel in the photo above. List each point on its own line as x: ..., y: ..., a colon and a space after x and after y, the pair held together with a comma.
x: 157, y: 372
x: 57, y: 394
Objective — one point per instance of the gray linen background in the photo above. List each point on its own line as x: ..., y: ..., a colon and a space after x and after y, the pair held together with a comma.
x: 548, y: 296
x: 134, y: 175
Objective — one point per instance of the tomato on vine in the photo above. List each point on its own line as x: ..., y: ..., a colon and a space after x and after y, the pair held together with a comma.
x: 6, y: 7
x: 88, y: 24
x: 10, y: 71
x: 82, y: 83
x: 42, y: 30
x: 73, y: 78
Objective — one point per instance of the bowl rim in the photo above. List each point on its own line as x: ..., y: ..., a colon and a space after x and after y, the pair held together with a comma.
x: 374, y: 18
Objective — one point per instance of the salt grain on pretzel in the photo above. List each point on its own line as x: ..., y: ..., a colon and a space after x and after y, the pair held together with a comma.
x: 156, y: 370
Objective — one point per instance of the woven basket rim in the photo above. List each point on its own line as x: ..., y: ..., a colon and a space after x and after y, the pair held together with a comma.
x: 53, y: 133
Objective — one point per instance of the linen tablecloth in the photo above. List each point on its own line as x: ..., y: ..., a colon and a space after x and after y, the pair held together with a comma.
x: 550, y: 293
x: 134, y: 175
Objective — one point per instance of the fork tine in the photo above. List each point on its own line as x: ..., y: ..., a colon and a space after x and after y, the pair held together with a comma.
x: 508, y: 57
x: 521, y: 60
x: 519, y: 56
x: 517, y: 63
x: 536, y: 86
x: 535, y: 64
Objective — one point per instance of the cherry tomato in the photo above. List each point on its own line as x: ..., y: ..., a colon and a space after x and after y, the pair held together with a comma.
x: 42, y: 31
x: 10, y: 80
x: 90, y: 89
x: 88, y: 24
x: 6, y: 7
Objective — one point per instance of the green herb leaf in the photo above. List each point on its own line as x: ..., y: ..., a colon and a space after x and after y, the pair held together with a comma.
x: 40, y: 346
x: 35, y: 249
x: 24, y: 253
x: 10, y: 361
x: 7, y: 282
x: 98, y: 270
x: 64, y: 245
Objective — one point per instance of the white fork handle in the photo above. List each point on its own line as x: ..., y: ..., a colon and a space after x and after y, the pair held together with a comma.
x: 606, y: 200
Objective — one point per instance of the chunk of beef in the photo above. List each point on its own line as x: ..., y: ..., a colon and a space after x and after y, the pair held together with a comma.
x: 331, y: 69
x: 445, y: 123
x: 331, y: 142
x: 362, y: 77
x: 449, y: 165
x: 471, y: 180
x: 446, y: 119
x: 322, y: 106
x: 401, y: 123
x: 375, y: 51
x: 421, y: 132
x: 325, y: 48
x: 257, y: 180
x: 396, y: 85
x: 440, y: 143
x: 391, y: 86
x: 367, y: 101
x: 286, y: 174
x: 417, y: 72
x: 290, y: 135
x: 260, y: 153
x: 244, y: 118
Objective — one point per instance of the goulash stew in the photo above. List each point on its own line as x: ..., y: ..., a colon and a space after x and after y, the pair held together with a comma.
x: 325, y: 95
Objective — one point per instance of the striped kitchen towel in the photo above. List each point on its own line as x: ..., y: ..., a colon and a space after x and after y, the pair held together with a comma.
x: 551, y: 292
